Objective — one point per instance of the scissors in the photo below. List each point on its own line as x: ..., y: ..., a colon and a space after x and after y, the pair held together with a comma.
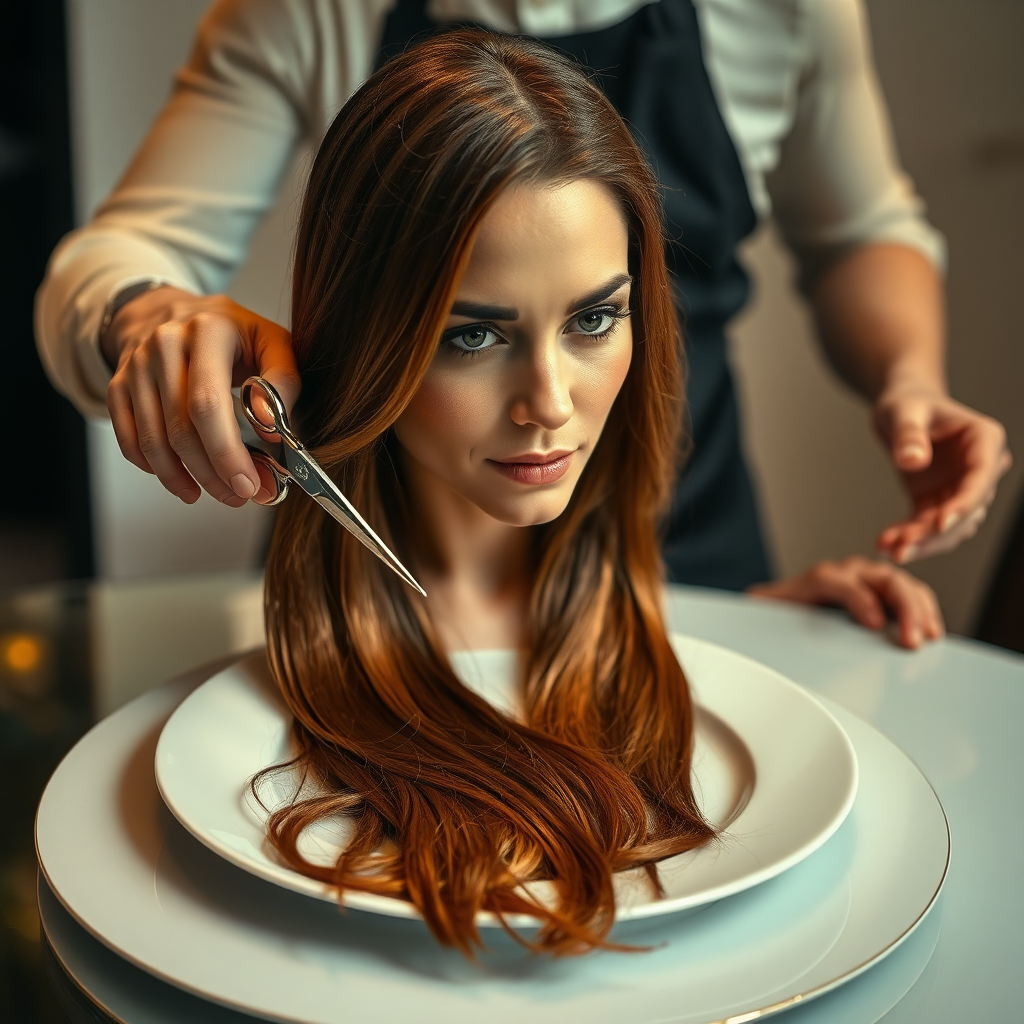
x: 299, y: 466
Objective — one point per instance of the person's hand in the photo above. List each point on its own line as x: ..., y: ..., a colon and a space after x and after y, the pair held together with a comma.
x: 176, y: 357
x: 951, y: 459
x: 871, y: 592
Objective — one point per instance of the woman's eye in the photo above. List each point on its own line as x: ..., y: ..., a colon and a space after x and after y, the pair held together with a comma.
x: 594, y: 321
x: 470, y: 339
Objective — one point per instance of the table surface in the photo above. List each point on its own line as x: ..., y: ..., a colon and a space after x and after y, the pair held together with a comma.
x: 955, y: 708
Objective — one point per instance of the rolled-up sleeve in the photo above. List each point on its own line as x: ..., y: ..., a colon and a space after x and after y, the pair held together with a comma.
x: 184, y: 211
x: 838, y: 184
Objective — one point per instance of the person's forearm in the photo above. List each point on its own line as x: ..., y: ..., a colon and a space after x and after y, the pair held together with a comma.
x: 881, y: 320
x: 87, y: 267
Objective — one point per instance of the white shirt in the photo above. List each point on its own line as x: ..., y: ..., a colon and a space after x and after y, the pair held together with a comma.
x: 793, y: 78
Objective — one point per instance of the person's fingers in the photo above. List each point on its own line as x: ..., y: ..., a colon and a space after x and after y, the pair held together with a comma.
x: 830, y: 583
x: 869, y: 591
x: 954, y: 513
x: 968, y: 456
x: 915, y: 543
x: 861, y: 603
x: 273, y: 359
x: 268, y: 485
x: 171, y: 372
x: 122, y: 418
x: 152, y: 434
x: 986, y: 459
x: 941, y: 543
x: 909, y: 433
x: 935, y: 623
x: 911, y: 603
x: 275, y: 362
x: 924, y: 519
x: 907, y: 608
x: 901, y: 540
x: 977, y: 495
x: 213, y: 352
x: 170, y: 397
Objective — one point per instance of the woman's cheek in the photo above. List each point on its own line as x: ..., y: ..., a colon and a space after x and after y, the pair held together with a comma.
x: 602, y: 379
x: 441, y: 424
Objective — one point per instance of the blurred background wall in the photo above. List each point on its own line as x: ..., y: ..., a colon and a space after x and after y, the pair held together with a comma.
x: 122, y: 54
x: 955, y: 86
x: 954, y: 80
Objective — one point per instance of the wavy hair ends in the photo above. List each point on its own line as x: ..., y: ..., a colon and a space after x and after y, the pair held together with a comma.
x: 450, y: 804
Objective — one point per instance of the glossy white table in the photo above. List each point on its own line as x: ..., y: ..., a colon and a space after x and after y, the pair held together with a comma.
x: 955, y: 709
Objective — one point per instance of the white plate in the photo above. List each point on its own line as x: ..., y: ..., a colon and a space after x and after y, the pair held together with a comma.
x: 132, y: 996
x: 135, y: 880
x: 771, y: 766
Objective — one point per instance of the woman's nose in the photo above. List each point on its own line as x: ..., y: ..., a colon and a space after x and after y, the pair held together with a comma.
x: 543, y: 396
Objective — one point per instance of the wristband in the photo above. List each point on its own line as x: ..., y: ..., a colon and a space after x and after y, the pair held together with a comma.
x: 123, y: 297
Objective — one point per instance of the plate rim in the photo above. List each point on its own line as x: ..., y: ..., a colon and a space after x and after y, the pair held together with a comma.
x: 864, y: 965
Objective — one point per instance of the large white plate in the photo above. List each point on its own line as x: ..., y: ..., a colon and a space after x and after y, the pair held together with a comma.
x: 132, y: 996
x: 772, y: 767
x: 135, y: 880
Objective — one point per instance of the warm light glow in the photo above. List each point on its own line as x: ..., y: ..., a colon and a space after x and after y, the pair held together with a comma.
x: 22, y: 652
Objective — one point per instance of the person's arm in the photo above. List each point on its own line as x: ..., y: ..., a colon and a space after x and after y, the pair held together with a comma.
x: 871, y: 265
x: 880, y: 317
x: 262, y: 74
x: 184, y: 211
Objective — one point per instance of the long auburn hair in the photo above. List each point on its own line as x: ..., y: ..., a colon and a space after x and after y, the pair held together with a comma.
x: 452, y: 804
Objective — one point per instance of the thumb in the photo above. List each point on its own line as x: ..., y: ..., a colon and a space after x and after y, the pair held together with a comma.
x: 909, y: 435
x: 275, y: 360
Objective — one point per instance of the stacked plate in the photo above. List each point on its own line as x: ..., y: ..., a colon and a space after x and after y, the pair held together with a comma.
x: 833, y: 850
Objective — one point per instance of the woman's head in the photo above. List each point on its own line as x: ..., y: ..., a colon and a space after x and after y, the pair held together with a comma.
x: 485, y: 171
x: 416, y: 188
x: 534, y: 352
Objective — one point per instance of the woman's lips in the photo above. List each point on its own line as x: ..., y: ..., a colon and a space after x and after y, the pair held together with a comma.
x: 535, y: 468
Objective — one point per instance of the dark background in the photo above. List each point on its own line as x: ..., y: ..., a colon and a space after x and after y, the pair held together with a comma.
x: 44, y: 514
x: 44, y: 511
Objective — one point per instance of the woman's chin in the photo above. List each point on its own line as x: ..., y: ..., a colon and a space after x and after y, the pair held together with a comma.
x: 527, y: 509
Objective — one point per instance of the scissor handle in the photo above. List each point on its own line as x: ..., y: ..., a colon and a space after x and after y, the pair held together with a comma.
x: 280, y: 478
x: 277, y: 410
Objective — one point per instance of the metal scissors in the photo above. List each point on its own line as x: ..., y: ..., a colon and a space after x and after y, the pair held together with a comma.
x: 296, y: 464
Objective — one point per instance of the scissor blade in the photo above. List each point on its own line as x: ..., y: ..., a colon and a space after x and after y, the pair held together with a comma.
x: 355, y: 525
x: 304, y: 470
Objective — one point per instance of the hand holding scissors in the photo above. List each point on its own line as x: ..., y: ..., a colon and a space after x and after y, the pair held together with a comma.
x: 296, y: 464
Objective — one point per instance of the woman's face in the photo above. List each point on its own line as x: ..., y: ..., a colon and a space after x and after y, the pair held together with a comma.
x: 534, y: 352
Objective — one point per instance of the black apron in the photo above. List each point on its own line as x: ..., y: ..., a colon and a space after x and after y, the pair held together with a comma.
x: 653, y: 72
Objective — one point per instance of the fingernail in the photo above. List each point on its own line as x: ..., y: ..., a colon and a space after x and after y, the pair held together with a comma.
x: 910, y: 552
x: 188, y: 494
x: 949, y: 520
x: 243, y: 486
x: 915, y: 637
x: 912, y: 451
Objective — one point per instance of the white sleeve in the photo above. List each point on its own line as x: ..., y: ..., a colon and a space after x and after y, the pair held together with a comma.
x: 838, y: 184
x: 209, y: 169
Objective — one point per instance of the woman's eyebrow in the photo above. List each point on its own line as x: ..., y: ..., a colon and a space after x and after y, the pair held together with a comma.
x: 482, y: 312
x: 599, y: 294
